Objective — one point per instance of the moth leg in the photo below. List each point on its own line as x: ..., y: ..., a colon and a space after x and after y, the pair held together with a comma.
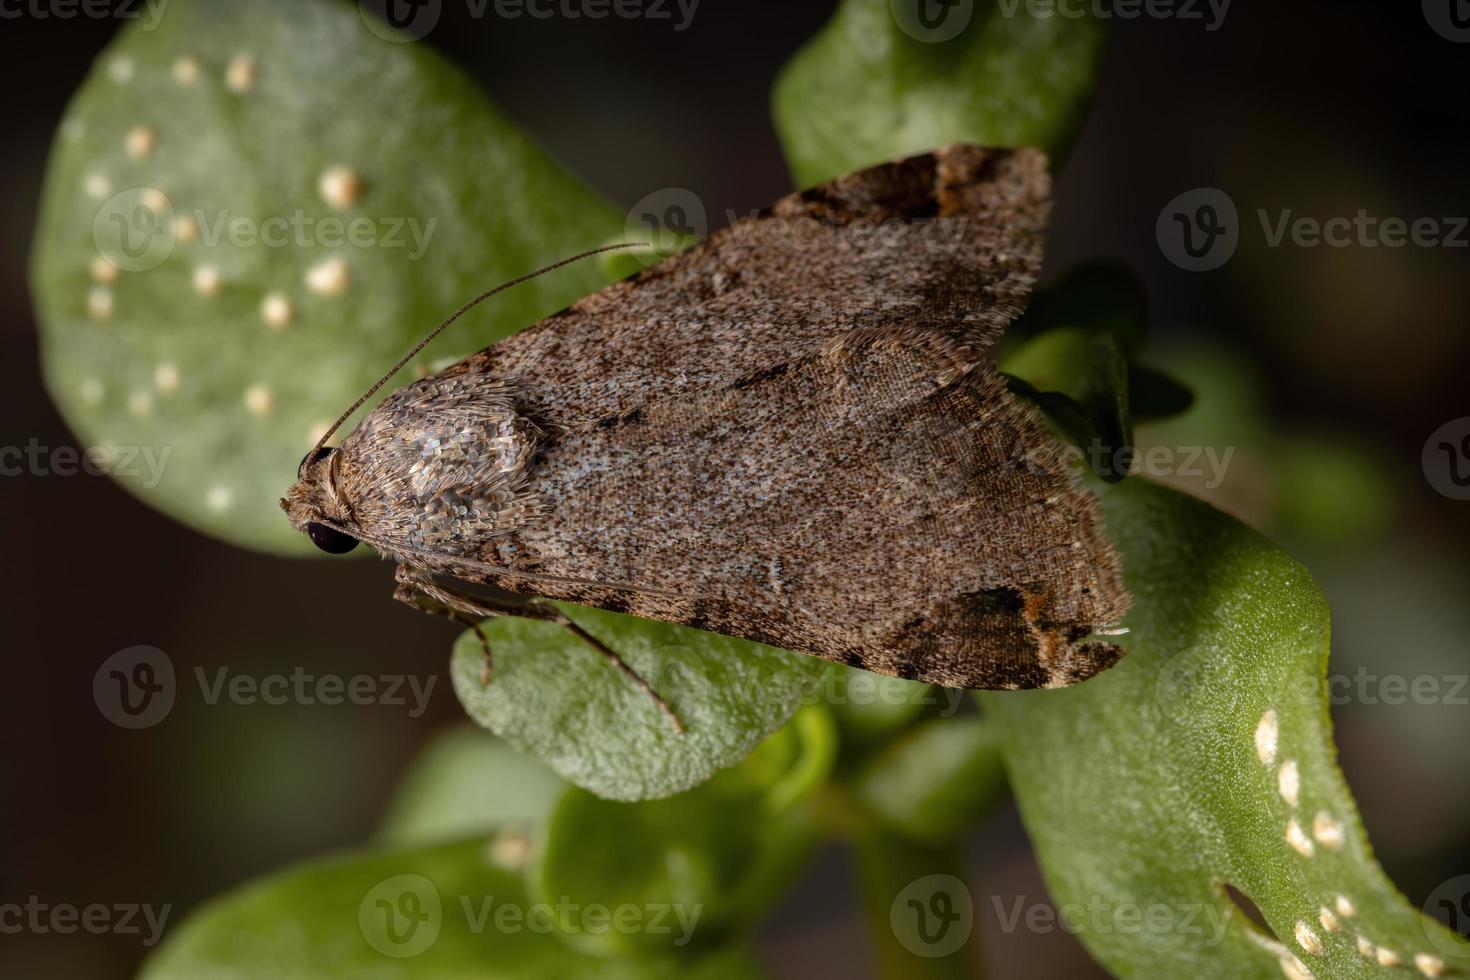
x: 419, y: 590
x: 620, y: 664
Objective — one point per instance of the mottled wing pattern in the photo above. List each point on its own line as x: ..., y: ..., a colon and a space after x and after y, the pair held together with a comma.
x: 793, y: 432
x: 948, y: 241
x: 883, y: 503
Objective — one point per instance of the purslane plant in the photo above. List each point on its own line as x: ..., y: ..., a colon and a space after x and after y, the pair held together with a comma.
x: 1200, y: 769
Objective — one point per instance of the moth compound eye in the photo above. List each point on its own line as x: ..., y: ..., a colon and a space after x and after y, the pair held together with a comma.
x: 329, y: 539
x: 316, y: 455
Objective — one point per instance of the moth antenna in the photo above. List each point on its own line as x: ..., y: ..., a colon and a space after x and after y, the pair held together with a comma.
x: 455, y: 316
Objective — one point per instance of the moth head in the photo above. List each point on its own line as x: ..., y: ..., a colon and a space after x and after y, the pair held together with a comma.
x: 314, y: 506
x: 312, y: 503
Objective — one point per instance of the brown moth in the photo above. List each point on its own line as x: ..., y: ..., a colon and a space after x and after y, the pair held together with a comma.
x: 793, y: 432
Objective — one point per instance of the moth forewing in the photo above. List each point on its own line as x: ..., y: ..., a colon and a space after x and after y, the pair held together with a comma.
x: 793, y: 432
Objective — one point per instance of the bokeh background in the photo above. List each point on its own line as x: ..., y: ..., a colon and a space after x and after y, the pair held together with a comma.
x: 1327, y: 369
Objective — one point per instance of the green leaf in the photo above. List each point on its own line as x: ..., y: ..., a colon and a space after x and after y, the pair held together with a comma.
x: 720, y: 855
x: 1205, y: 759
x: 934, y: 782
x: 877, y: 83
x: 452, y: 199
x: 552, y: 695
x: 464, y: 784
x: 438, y: 914
x: 1080, y: 379
x: 1072, y: 354
x: 1098, y: 298
x: 870, y: 706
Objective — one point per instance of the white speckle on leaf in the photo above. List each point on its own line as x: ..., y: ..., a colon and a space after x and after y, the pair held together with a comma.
x: 73, y: 129
x: 328, y: 277
x: 240, y: 74
x: 155, y: 200
x: 1328, y: 920
x: 510, y: 849
x: 260, y: 400
x: 317, y: 431
x: 1295, y: 969
x: 185, y: 230
x: 1329, y: 832
x: 219, y: 498
x: 1307, y: 939
x: 1345, y: 907
x: 1366, y: 948
x: 97, y: 186
x: 186, y: 69
x: 206, y: 280
x: 92, y: 391
x: 166, y: 377
x: 1298, y: 840
x: 104, y: 271
x: 340, y: 187
x: 1267, y: 735
x: 121, y: 69
x: 276, y: 310
x: 1430, y: 966
x: 1289, y: 782
x: 140, y: 403
x: 99, y: 303
x: 140, y: 142
x: 1387, y: 957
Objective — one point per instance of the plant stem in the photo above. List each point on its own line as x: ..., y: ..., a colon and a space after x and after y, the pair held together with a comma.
x: 912, y: 920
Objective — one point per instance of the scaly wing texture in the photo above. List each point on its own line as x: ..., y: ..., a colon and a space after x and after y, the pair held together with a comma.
x: 948, y: 241
x: 883, y: 503
x: 792, y: 433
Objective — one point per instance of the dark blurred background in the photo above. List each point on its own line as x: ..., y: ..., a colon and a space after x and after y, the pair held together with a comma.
x: 1327, y: 368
